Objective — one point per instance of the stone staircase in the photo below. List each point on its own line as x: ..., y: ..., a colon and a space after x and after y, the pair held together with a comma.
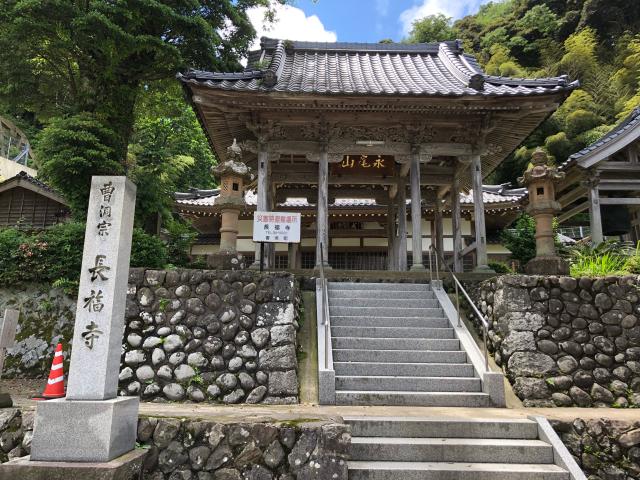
x: 407, y: 448
x: 393, y: 345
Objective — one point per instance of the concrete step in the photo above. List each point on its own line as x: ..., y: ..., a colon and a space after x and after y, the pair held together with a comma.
x: 388, y: 287
x: 346, y: 321
x: 453, y: 471
x: 363, y: 343
x: 386, y: 311
x: 395, y: 294
x: 403, y: 369
x: 474, y: 450
x: 384, y: 302
x: 391, y: 332
x: 408, y: 384
x: 416, y: 427
x: 399, y: 356
x: 421, y: 399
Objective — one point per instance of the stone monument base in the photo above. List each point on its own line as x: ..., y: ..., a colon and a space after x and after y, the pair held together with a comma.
x: 225, y: 261
x: 84, y: 430
x: 547, y: 266
x: 125, y: 467
x: 5, y: 400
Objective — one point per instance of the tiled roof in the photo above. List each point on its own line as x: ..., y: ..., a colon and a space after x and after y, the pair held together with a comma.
x: 492, y: 194
x: 627, y: 124
x: 428, y: 69
x: 24, y: 176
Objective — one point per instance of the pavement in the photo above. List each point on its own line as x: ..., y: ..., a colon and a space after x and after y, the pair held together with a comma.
x: 23, y: 390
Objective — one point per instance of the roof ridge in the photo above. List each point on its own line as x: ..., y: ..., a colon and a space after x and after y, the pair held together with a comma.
x: 271, y: 43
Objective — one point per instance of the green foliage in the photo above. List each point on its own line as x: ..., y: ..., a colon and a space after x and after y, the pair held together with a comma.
x: 500, y: 267
x: 73, y: 149
x: 520, y: 239
x: 55, y: 255
x: 608, y: 258
x: 180, y: 238
x: 433, y: 28
x: 147, y: 251
x: 559, y: 145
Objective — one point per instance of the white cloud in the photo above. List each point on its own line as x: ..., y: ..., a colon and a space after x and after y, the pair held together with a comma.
x: 382, y: 7
x: 451, y: 8
x: 291, y: 23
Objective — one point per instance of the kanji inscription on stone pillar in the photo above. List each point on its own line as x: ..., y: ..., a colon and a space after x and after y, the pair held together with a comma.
x: 99, y: 326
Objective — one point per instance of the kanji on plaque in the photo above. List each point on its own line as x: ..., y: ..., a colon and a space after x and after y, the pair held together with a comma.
x: 107, y: 191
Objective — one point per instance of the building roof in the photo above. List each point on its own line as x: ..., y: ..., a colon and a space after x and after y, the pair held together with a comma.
x: 492, y: 194
x: 23, y: 179
x: 423, y: 69
x: 620, y: 131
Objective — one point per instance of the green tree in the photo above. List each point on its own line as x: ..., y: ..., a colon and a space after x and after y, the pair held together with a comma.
x: 71, y: 151
x: 168, y: 152
x: 63, y: 57
x: 521, y: 239
x: 432, y: 28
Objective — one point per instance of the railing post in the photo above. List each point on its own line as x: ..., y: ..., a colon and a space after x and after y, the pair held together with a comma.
x: 457, y: 300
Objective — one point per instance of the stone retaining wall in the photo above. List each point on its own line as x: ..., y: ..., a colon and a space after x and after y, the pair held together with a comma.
x: 604, y: 449
x: 222, y: 336
x: 192, y: 335
x: 565, y: 341
x: 202, y: 450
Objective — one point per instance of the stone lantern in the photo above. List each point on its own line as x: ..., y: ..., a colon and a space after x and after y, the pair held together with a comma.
x: 540, y: 181
x: 234, y: 176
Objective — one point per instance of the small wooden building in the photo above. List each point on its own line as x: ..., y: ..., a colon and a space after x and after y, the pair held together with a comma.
x: 604, y: 179
x: 26, y: 202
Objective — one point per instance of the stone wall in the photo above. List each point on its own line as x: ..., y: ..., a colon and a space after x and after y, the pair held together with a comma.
x: 182, y: 449
x: 221, y: 336
x: 604, y: 449
x: 194, y: 335
x: 565, y: 341
x: 46, y: 317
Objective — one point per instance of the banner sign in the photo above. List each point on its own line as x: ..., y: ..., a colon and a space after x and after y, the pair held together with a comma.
x: 276, y: 227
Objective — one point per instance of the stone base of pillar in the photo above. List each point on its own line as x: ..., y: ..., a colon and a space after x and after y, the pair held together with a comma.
x: 417, y: 268
x: 483, y: 269
x: 226, y: 261
x: 551, y: 265
x: 5, y: 400
x: 84, y: 430
x: 125, y: 467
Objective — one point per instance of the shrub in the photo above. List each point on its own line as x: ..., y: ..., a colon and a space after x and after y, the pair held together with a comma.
x: 500, y: 267
x: 147, y: 251
x: 180, y: 238
x: 608, y: 258
x: 521, y: 240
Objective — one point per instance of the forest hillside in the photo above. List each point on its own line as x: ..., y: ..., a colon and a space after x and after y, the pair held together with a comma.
x: 594, y: 41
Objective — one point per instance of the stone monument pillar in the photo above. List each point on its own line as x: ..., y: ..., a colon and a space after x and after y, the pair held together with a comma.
x: 233, y: 175
x: 540, y: 180
x: 92, y: 424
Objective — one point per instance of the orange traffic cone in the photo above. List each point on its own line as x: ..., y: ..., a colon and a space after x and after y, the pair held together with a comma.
x: 55, y: 384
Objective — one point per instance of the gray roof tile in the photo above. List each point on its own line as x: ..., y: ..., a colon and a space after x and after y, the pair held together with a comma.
x: 428, y: 69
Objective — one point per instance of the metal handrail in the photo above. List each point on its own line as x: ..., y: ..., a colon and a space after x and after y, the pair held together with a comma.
x: 325, y: 308
x: 459, y: 288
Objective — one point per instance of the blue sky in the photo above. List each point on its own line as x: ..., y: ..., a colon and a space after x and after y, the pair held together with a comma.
x: 356, y: 20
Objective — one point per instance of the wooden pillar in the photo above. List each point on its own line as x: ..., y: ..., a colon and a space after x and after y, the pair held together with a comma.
x: 391, y: 235
x: 294, y: 256
x: 595, y: 219
x: 439, y: 229
x: 478, y: 214
x: 401, y: 250
x: 416, y: 212
x: 322, y: 217
x: 456, y: 222
x: 263, y: 194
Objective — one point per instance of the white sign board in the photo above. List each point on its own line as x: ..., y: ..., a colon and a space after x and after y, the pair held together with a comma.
x: 276, y: 227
